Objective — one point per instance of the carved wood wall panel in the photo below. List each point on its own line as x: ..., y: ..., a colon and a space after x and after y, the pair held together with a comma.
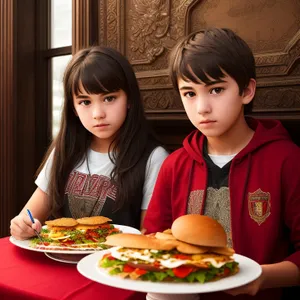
x: 145, y: 31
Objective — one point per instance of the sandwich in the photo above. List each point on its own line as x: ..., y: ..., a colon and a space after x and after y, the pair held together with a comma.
x: 193, y: 250
x: 69, y: 233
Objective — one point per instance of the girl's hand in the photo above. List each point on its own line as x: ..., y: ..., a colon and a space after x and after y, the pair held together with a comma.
x: 251, y: 288
x: 22, y: 228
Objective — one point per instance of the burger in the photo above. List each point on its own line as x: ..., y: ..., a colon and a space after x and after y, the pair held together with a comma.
x: 59, y: 228
x: 69, y: 233
x: 193, y: 250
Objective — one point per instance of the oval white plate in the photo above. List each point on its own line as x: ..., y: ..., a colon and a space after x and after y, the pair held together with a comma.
x: 25, y: 244
x: 249, y: 271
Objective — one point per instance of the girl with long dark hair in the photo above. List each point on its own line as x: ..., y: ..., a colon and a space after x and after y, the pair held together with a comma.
x: 104, y: 160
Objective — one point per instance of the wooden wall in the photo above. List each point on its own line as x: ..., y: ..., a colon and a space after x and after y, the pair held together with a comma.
x: 145, y: 31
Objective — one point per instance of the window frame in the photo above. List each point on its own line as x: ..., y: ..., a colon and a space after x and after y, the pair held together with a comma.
x: 44, y: 73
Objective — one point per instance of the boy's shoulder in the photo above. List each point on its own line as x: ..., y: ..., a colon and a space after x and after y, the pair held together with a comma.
x: 282, y: 147
x: 287, y: 149
x: 178, y: 156
x: 271, y: 138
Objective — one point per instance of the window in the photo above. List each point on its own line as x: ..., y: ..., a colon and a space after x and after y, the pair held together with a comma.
x: 61, y: 23
x: 59, y: 64
x: 59, y: 54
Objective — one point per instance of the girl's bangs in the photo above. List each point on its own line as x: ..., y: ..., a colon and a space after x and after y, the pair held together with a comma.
x: 201, y: 69
x: 98, y: 78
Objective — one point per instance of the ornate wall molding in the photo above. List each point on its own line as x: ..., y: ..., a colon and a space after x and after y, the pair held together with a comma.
x: 161, y: 100
x: 279, y: 99
x: 112, y: 23
x: 278, y: 64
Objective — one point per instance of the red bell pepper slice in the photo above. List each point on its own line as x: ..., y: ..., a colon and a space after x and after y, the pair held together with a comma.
x: 182, y: 271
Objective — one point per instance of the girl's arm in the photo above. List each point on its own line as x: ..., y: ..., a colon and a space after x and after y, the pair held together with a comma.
x: 153, y: 167
x: 39, y: 205
x: 143, y: 214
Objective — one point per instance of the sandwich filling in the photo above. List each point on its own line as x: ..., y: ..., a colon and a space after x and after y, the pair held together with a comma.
x: 69, y: 234
x: 171, y: 265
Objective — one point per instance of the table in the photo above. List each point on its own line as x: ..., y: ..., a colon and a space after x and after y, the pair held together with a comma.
x: 26, y: 274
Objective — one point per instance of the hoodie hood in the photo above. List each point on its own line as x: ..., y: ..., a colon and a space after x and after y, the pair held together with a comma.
x: 266, y: 131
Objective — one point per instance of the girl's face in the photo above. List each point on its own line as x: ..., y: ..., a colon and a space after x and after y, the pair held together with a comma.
x: 102, y: 115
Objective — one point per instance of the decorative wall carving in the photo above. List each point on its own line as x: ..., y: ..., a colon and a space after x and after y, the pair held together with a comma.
x: 149, y: 21
x: 161, y: 99
x: 113, y: 24
x: 154, y: 83
x: 283, y: 99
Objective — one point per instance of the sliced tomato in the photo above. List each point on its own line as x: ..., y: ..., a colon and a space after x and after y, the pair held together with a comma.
x: 226, y: 271
x: 181, y: 256
x: 146, y: 267
x: 104, y: 226
x: 69, y: 242
x: 113, y: 230
x: 140, y: 271
x: 128, y: 269
x: 92, y: 239
x: 182, y: 271
x: 93, y: 234
x: 108, y: 256
x: 46, y: 243
x: 156, y: 264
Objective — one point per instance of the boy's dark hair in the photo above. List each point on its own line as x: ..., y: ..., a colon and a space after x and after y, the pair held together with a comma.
x: 210, y: 52
x: 101, y: 70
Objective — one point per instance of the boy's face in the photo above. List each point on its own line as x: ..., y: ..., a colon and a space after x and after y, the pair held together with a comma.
x: 214, y: 108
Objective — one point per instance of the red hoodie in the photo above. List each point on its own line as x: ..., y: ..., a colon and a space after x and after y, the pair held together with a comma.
x: 266, y: 171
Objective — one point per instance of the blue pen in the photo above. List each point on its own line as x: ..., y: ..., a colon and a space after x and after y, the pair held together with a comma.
x: 30, y: 215
x: 32, y: 220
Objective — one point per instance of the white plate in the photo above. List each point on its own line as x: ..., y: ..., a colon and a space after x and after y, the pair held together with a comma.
x: 25, y: 244
x: 249, y: 271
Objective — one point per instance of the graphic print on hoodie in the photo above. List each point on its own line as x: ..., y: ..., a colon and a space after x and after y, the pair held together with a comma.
x: 217, y: 202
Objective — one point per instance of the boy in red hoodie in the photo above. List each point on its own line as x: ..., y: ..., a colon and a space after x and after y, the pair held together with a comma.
x: 243, y: 172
